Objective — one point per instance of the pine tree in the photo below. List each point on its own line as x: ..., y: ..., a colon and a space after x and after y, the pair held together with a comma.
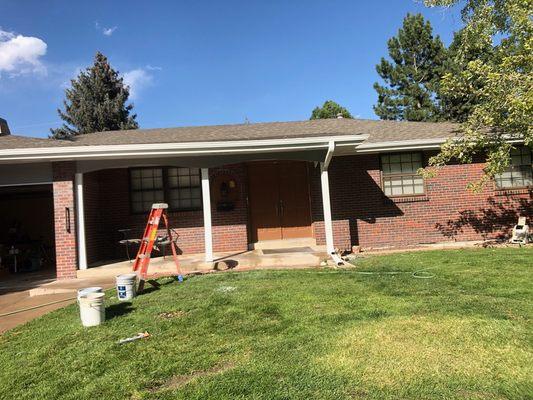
x: 330, y: 109
x: 412, y: 78
x: 457, y: 105
x: 95, y: 102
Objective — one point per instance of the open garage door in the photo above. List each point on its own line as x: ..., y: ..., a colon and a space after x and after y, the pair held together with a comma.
x: 27, y: 242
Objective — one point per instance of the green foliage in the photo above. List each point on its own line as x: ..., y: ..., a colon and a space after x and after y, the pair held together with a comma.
x: 457, y: 105
x: 502, y: 85
x: 296, y: 334
x: 96, y: 102
x: 330, y: 109
x: 412, y: 78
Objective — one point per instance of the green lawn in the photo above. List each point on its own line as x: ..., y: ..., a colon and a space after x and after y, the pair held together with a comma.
x: 466, y: 333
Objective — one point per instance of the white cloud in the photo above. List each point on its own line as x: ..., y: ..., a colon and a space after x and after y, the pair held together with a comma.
x: 21, y: 54
x: 105, y: 31
x: 137, y: 80
x: 109, y: 31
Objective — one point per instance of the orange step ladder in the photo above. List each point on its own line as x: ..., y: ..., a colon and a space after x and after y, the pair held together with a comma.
x: 148, y: 242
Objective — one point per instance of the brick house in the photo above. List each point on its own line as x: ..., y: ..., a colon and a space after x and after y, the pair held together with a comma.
x: 340, y: 182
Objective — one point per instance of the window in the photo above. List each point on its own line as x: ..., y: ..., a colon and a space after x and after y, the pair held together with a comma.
x: 146, y: 185
x: 399, y: 174
x: 184, y: 192
x: 179, y: 187
x: 520, y: 172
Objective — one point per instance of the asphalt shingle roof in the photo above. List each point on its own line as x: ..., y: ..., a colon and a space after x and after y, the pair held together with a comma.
x: 378, y: 131
x: 22, y: 142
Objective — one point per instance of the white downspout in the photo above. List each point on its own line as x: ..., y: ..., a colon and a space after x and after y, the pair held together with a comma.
x: 80, y: 221
x: 208, y: 231
x: 326, y: 203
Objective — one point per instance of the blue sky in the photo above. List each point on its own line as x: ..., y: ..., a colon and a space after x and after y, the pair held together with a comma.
x: 201, y: 62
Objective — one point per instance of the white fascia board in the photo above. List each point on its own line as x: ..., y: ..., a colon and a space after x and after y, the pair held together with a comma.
x: 408, y: 145
x: 401, y: 145
x: 176, y: 149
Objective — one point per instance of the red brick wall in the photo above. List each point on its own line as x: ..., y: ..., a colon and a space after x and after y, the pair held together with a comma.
x: 65, y: 241
x: 364, y: 216
x: 107, y: 210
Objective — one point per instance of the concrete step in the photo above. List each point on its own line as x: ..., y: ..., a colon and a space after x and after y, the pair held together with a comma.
x: 283, y: 243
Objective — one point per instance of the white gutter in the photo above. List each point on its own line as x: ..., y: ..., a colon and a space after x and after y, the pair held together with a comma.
x: 405, y: 145
x: 329, y: 154
x: 176, y: 149
x: 401, y: 145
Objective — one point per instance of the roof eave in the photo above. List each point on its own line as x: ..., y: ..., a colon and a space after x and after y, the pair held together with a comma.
x: 176, y: 149
x: 401, y: 145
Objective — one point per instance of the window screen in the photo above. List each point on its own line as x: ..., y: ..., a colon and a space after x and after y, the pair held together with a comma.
x: 399, y: 174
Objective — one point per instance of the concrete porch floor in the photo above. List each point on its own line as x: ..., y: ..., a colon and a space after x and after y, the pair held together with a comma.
x: 297, y: 257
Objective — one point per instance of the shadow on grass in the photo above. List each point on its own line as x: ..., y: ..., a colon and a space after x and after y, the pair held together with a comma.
x: 153, y: 285
x: 117, y: 310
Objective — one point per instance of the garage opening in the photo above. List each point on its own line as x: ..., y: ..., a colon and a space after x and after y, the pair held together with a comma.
x: 27, y: 242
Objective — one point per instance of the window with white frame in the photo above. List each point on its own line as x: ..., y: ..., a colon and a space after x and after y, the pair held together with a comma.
x: 399, y: 174
x: 520, y: 172
x: 178, y: 187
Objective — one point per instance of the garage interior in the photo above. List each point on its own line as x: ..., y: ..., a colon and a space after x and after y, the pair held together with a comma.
x: 27, y: 243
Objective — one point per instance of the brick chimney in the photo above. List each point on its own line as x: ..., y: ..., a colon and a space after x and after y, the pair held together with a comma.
x: 4, y: 128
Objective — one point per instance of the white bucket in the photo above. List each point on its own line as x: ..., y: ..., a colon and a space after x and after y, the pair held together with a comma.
x: 92, y: 309
x: 94, y: 289
x: 126, y: 286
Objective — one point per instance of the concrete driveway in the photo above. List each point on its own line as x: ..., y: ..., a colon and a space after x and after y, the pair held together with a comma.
x: 27, y: 297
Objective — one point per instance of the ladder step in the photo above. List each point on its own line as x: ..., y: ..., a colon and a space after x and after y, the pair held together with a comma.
x: 147, y: 243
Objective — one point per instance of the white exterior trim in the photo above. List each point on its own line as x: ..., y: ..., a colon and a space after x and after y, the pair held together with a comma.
x: 328, y: 223
x: 176, y: 149
x: 208, y: 231
x: 329, y: 154
x: 27, y: 184
x: 401, y: 145
x: 80, y: 221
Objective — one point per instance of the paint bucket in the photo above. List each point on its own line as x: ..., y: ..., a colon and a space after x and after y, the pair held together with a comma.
x: 126, y: 289
x: 94, y: 289
x: 92, y: 309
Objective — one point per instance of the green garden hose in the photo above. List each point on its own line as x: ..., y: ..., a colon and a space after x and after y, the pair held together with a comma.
x: 419, y: 274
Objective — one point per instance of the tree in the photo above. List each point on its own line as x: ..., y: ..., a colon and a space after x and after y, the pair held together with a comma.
x: 502, y: 86
x: 330, y: 109
x: 96, y: 102
x: 457, y: 106
x: 412, y: 78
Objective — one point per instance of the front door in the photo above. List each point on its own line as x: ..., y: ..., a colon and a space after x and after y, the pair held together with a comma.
x: 279, y: 200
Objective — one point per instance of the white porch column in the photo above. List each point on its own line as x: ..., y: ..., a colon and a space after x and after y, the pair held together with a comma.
x: 80, y: 221
x: 208, y: 232
x: 328, y: 224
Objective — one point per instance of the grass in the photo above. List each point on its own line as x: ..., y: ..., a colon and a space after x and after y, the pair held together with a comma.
x: 297, y: 334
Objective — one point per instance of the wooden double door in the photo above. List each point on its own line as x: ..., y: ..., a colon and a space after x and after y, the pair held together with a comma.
x: 279, y: 200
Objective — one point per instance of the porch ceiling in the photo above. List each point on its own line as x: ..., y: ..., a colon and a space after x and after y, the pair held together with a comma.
x: 84, y: 166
